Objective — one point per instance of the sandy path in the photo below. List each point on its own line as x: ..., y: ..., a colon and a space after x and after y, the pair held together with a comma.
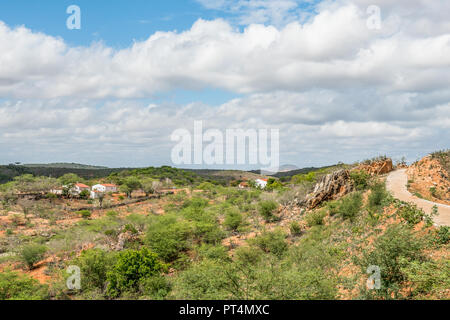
x: 396, y: 184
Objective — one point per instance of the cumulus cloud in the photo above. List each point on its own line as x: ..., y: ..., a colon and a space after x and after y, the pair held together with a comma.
x: 335, y: 49
x: 335, y: 89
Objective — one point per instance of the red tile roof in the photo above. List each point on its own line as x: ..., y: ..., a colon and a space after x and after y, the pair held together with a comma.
x: 108, y: 185
x: 81, y: 185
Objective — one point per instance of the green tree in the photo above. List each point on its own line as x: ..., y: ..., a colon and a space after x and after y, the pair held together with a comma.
x: 94, y: 265
x: 131, y: 269
x: 32, y: 254
x: 266, y: 209
x: 14, y: 286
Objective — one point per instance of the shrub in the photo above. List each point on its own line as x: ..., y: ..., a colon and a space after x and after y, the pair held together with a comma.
x: 377, y: 196
x: 168, y: 237
x: 442, y: 235
x: 433, y: 192
x: 393, y: 251
x: 155, y: 287
x: 273, y: 242
x: 214, y: 252
x: 85, y: 214
x: 129, y: 227
x: 360, y: 179
x: 266, y: 209
x: 32, y: 253
x: 333, y: 208
x: 428, y: 279
x: 315, y: 218
x: 85, y: 194
x: 204, y: 280
x: 410, y: 213
x: 233, y: 219
x: 295, y: 228
x: 94, y: 265
x: 14, y: 286
x: 131, y: 269
x: 350, y: 206
x: 112, y: 214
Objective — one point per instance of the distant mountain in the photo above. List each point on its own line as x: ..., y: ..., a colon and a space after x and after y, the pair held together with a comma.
x: 63, y: 165
x: 287, y: 168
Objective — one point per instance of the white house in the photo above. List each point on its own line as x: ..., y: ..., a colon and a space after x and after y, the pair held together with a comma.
x: 95, y: 194
x: 261, y: 183
x: 78, y: 188
x: 105, y: 187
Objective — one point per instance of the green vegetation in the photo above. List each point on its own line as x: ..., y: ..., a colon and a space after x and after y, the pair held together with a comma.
x: 85, y: 214
x: 212, y: 240
x: 360, y: 179
x: 133, y: 269
x: 266, y: 210
x: 32, y: 253
x: 393, y: 251
x: 18, y: 287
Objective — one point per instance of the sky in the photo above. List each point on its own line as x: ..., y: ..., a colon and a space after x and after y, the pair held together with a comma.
x: 337, y: 84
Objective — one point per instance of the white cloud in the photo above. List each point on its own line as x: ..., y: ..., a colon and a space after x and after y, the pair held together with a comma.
x: 329, y: 84
x: 333, y: 50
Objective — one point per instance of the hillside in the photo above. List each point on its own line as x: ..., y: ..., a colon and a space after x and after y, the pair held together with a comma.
x: 311, y: 238
x: 429, y: 178
x: 63, y: 165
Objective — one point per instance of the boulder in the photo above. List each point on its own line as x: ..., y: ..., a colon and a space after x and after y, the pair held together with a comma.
x: 331, y: 187
x: 377, y: 167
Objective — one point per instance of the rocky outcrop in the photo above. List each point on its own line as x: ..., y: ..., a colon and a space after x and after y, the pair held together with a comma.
x: 429, y: 178
x: 377, y: 167
x: 331, y: 187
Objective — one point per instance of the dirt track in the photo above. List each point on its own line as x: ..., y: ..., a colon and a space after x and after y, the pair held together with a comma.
x: 396, y: 184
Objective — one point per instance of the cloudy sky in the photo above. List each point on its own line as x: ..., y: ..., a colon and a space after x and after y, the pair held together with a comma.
x: 112, y: 93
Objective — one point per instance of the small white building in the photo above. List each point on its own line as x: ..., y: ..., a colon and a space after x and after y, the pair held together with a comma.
x: 105, y: 187
x: 95, y: 194
x: 78, y: 188
x: 261, y: 183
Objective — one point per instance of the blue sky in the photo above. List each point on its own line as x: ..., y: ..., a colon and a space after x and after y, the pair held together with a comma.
x: 117, y: 23
x: 113, y: 92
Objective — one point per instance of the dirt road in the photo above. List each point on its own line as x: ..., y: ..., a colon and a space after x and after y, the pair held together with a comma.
x: 396, y: 184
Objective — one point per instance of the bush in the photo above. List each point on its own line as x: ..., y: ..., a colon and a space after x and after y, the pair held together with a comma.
x: 433, y: 192
x: 85, y: 194
x: 273, y: 242
x: 32, y: 254
x: 94, y: 265
x: 14, y: 286
x: 315, y: 218
x: 410, y: 213
x: 85, y: 214
x: 360, y: 179
x: 392, y: 252
x: 295, y: 228
x: 213, y: 252
x: 112, y: 214
x: 442, y: 236
x: 233, y: 219
x: 168, y: 237
x: 266, y: 209
x: 377, y: 196
x: 350, y: 206
x: 132, y: 268
x: 155, y: 287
